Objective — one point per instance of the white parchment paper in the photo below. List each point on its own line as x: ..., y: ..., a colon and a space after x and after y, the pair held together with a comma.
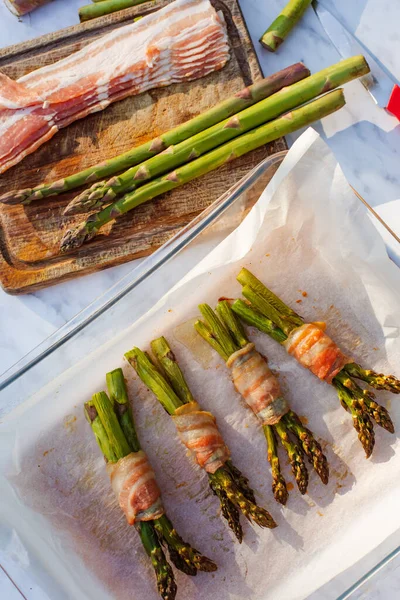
x: 312, y: 242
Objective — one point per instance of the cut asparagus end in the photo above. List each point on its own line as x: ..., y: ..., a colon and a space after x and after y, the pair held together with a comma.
x: 119, y: 397
x: 283, y: 24
x: 267, y: 310
x: 105, y: 7
x: 167, y: 360
x: 154, y: 380
x: 246, y: 278
x: 256, y: 319
x: 99, y: 432
x: 232, y: 323
x: 207, y: 335
x: 218, y: 330
x: 110, y: 423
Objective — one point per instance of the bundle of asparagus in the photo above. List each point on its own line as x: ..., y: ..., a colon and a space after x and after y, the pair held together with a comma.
x: 313, y: 349
x: 198, y: 431
x: 283, y: 24
x: 260, y: 390
x: 105, y: 7
x: 134, y: 482
x: 75, y: 237
x: 193, y: 147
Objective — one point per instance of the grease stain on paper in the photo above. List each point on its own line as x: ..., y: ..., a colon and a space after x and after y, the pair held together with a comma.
x: 186, y: 334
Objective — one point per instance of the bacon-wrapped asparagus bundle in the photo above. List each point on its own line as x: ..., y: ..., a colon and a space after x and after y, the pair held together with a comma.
x: 261, y: 391
x: 316, y: 351
x: 198, y: 431
x: 135, y: 486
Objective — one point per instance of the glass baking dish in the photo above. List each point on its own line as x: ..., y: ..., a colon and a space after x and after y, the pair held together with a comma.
x: 125, y: 303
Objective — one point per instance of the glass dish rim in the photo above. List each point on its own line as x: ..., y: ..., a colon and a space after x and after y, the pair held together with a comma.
x: 139, y: 274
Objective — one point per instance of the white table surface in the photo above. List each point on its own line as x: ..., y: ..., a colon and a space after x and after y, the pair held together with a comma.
x: 364, y: 138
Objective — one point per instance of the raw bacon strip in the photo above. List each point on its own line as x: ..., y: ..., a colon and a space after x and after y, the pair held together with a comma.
x: 257, y: 384
x: 22, y: 131
x: 315, y: 350
x: 14, y: 95
x: 198, y: 430
x: 134, y: 484
x: 183, y: 41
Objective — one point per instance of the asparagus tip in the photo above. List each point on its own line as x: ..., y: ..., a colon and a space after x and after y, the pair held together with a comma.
x: 280, y: 491
x: 74, y: 238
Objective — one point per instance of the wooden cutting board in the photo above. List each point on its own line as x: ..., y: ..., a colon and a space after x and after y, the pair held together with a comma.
x: 30, y: 236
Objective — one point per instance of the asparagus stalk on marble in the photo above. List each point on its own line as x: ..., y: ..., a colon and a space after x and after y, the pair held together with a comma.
x: 137, y: 155
x: 105, y: 7
x: 113, y: 426
x: 168, y: 384
x: 78, y: 235
x: 283, y: 24
x: 260, y: 389
x: 310, y: 345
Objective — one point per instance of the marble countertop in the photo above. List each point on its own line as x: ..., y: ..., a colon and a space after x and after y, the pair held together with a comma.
x: 364, y: 138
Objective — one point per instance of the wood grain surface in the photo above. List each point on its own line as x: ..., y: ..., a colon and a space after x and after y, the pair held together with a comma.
x: 30, y: 236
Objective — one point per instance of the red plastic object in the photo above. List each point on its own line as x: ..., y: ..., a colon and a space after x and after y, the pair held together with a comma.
x: 394, y: 102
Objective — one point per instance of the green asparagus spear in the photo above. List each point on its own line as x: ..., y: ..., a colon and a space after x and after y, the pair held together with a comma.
x: 223, y: 110
x: 279, y: 488
x: 251, y: 316
x: 379, y: 381
x: 366, y: 401
x: 311, y: 447
x: 295, y: 456
x: 284, y: 23
x: 166, y: 584
x: 105, y: 7
x: 361, y: 420
x: 245, y: 278
x: 167, y: 361
x: 288, y: 123
x: 119, y: 396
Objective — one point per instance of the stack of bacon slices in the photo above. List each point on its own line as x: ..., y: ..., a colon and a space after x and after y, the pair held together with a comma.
x: 183, y: 41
